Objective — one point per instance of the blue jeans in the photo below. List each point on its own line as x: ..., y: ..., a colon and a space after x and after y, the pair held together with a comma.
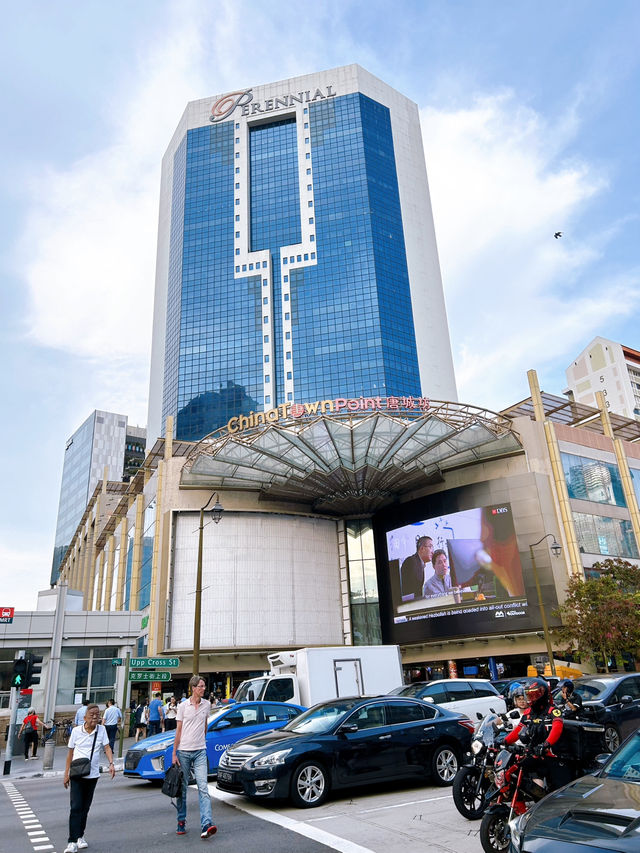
x: 195, y: 759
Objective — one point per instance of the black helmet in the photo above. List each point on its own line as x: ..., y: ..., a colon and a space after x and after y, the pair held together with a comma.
x: 568, y: 684
x: 537, y: 692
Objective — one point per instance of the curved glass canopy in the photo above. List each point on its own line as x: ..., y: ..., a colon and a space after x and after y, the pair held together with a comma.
x: 349, y: 463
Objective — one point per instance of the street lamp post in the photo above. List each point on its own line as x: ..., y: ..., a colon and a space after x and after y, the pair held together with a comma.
x: 555, y: 548
x: 216, y: 514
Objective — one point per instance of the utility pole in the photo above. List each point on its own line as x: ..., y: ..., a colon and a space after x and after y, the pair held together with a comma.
x: 13, y: 713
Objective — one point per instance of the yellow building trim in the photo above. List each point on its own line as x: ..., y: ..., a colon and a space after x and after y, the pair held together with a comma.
x: 168, y: 437
x: 623, y: 466
x: 573, y: 558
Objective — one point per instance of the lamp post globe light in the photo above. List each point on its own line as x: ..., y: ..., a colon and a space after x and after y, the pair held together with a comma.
x: 216, y: 515
x: 556, y: 548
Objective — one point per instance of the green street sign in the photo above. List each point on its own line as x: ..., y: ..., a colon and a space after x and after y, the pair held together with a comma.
x: 149, y: 676
x: 116, y: 661
x: 147, y: 663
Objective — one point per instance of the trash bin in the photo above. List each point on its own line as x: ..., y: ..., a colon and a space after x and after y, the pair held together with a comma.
x: 49, y: 752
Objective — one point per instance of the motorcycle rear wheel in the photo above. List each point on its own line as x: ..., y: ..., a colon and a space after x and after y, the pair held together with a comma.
x: 495, y: 835
x: 468, y: 803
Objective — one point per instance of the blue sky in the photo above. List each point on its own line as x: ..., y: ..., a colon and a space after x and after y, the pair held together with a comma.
x: 530, y: 124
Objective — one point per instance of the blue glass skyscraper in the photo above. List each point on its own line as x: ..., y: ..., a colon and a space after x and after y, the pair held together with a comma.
x: 296, y: 254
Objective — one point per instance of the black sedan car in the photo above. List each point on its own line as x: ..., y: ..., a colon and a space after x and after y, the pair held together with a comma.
x: 614, y: 701
x: 347, y: 742
x: 598, y: 813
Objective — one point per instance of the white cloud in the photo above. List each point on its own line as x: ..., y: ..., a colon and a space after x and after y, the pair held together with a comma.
x: 516, y: 297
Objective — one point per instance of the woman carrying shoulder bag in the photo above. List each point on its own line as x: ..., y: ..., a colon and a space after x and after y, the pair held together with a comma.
x: 29, y: 729
x: 82, y: 771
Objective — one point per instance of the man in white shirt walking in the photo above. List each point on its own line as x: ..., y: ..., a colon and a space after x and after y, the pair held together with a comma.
x: 190, y: 752
x: 112, y: 716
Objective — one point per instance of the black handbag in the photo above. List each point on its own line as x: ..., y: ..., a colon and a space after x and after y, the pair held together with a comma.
x: 172, y: 785
x: 82, y: 766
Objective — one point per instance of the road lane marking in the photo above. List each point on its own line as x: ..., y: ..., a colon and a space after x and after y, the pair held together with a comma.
x: 311, y: 832
x: 378, y: 809
x: 31, y: 824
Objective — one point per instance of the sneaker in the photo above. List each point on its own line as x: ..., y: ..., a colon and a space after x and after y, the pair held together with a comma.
x: 182, y: 827
x: 71, y: 847
x: 208, y: 831
x: 82, y: 843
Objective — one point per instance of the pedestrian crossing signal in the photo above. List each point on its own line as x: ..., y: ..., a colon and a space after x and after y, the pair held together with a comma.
x: 19, y: 675
x: 32, y: 675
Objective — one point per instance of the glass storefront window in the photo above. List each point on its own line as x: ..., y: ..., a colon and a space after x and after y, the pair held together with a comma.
x: 363, y: 583
x: 592, y: 480
x: 607, y: 536
x: 86, y: 671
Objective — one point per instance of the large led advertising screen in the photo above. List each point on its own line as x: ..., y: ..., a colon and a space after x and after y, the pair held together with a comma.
x: 457, y: 573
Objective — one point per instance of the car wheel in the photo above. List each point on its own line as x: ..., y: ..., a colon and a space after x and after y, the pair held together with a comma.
x: 469, y: 801
x: 309, y: 785
x: 611, y: 738
x: 444, y: 765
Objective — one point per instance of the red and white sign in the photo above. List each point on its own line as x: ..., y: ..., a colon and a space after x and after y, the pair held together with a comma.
x: 6, y: 614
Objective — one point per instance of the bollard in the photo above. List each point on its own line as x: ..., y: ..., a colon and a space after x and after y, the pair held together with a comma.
x: 49, y: 751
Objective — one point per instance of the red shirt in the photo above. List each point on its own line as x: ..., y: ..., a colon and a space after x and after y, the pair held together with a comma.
x: 552, y: 719
x: 33, y: 719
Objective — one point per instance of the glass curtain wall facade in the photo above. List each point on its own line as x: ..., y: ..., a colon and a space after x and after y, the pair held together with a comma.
x: 336, y: 315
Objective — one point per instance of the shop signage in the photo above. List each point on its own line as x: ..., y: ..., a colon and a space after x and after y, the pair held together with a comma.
x: 227, y: 104
x: 322, y: 407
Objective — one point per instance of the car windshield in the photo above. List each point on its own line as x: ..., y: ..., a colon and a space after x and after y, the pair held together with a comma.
x: 321, y: 718
x: 217, y: 714
x: 625, y: 764
x: 592, y: 689
x: 255, y: 687
x: 411, y: 689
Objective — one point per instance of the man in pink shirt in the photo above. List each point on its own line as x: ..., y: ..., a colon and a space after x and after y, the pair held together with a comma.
x: 190, y: 752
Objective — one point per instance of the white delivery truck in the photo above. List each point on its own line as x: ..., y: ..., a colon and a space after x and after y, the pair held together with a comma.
x: 312, y: 675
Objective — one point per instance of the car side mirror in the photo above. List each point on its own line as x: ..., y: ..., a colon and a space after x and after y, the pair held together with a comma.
x: 602, y: 759
x: 223, y: 724
x: 429, y: 699
x: 348, y: 729
x: 251, y: 696
x: 626, y: 700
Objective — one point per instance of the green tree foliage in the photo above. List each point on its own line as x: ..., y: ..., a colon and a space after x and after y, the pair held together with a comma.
x: 601, y: 614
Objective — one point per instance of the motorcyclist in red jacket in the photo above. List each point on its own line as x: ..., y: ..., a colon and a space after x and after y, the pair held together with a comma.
x: 541, y: 726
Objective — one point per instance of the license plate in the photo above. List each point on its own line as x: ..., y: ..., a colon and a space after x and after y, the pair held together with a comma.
x: 225, y: 776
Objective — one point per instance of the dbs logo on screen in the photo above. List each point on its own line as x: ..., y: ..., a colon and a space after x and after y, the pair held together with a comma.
x: 499, y: 510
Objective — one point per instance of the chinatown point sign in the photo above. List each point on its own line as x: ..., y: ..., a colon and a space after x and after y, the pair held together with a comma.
x: 227, y: 104
x: 340, y: 405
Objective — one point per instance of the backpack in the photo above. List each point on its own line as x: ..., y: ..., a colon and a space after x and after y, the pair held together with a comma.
x: 28, y: 728
x: 172, y: 785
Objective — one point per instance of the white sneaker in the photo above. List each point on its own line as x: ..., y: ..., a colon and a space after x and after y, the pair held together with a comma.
x: 71, y: 847
x: 82, y: 843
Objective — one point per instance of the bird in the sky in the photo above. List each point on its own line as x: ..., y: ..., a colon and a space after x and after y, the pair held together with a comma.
x: 558, y: 234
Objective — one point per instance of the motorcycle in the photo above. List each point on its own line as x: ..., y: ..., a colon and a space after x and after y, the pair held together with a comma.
x: 473, y: 779
x: 513, y: 792
x: 515, y: 788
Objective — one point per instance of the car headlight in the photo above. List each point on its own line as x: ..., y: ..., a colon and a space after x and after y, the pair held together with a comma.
x: 160, y: 746
x: 517, y: 827
x: 272, y: 758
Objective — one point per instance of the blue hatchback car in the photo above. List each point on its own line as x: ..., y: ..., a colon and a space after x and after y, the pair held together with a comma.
x: 149, y: 757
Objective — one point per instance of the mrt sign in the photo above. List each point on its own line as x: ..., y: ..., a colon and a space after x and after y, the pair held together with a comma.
x: 6, y: 614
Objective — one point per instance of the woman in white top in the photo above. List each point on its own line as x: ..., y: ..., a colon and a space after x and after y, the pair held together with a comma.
x: 85, y: 742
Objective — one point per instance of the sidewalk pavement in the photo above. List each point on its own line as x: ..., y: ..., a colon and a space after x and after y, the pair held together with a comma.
x: 21, y: 769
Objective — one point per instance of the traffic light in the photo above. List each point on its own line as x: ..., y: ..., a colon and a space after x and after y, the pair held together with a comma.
x: 32, y: 675
x: 19, y: 675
